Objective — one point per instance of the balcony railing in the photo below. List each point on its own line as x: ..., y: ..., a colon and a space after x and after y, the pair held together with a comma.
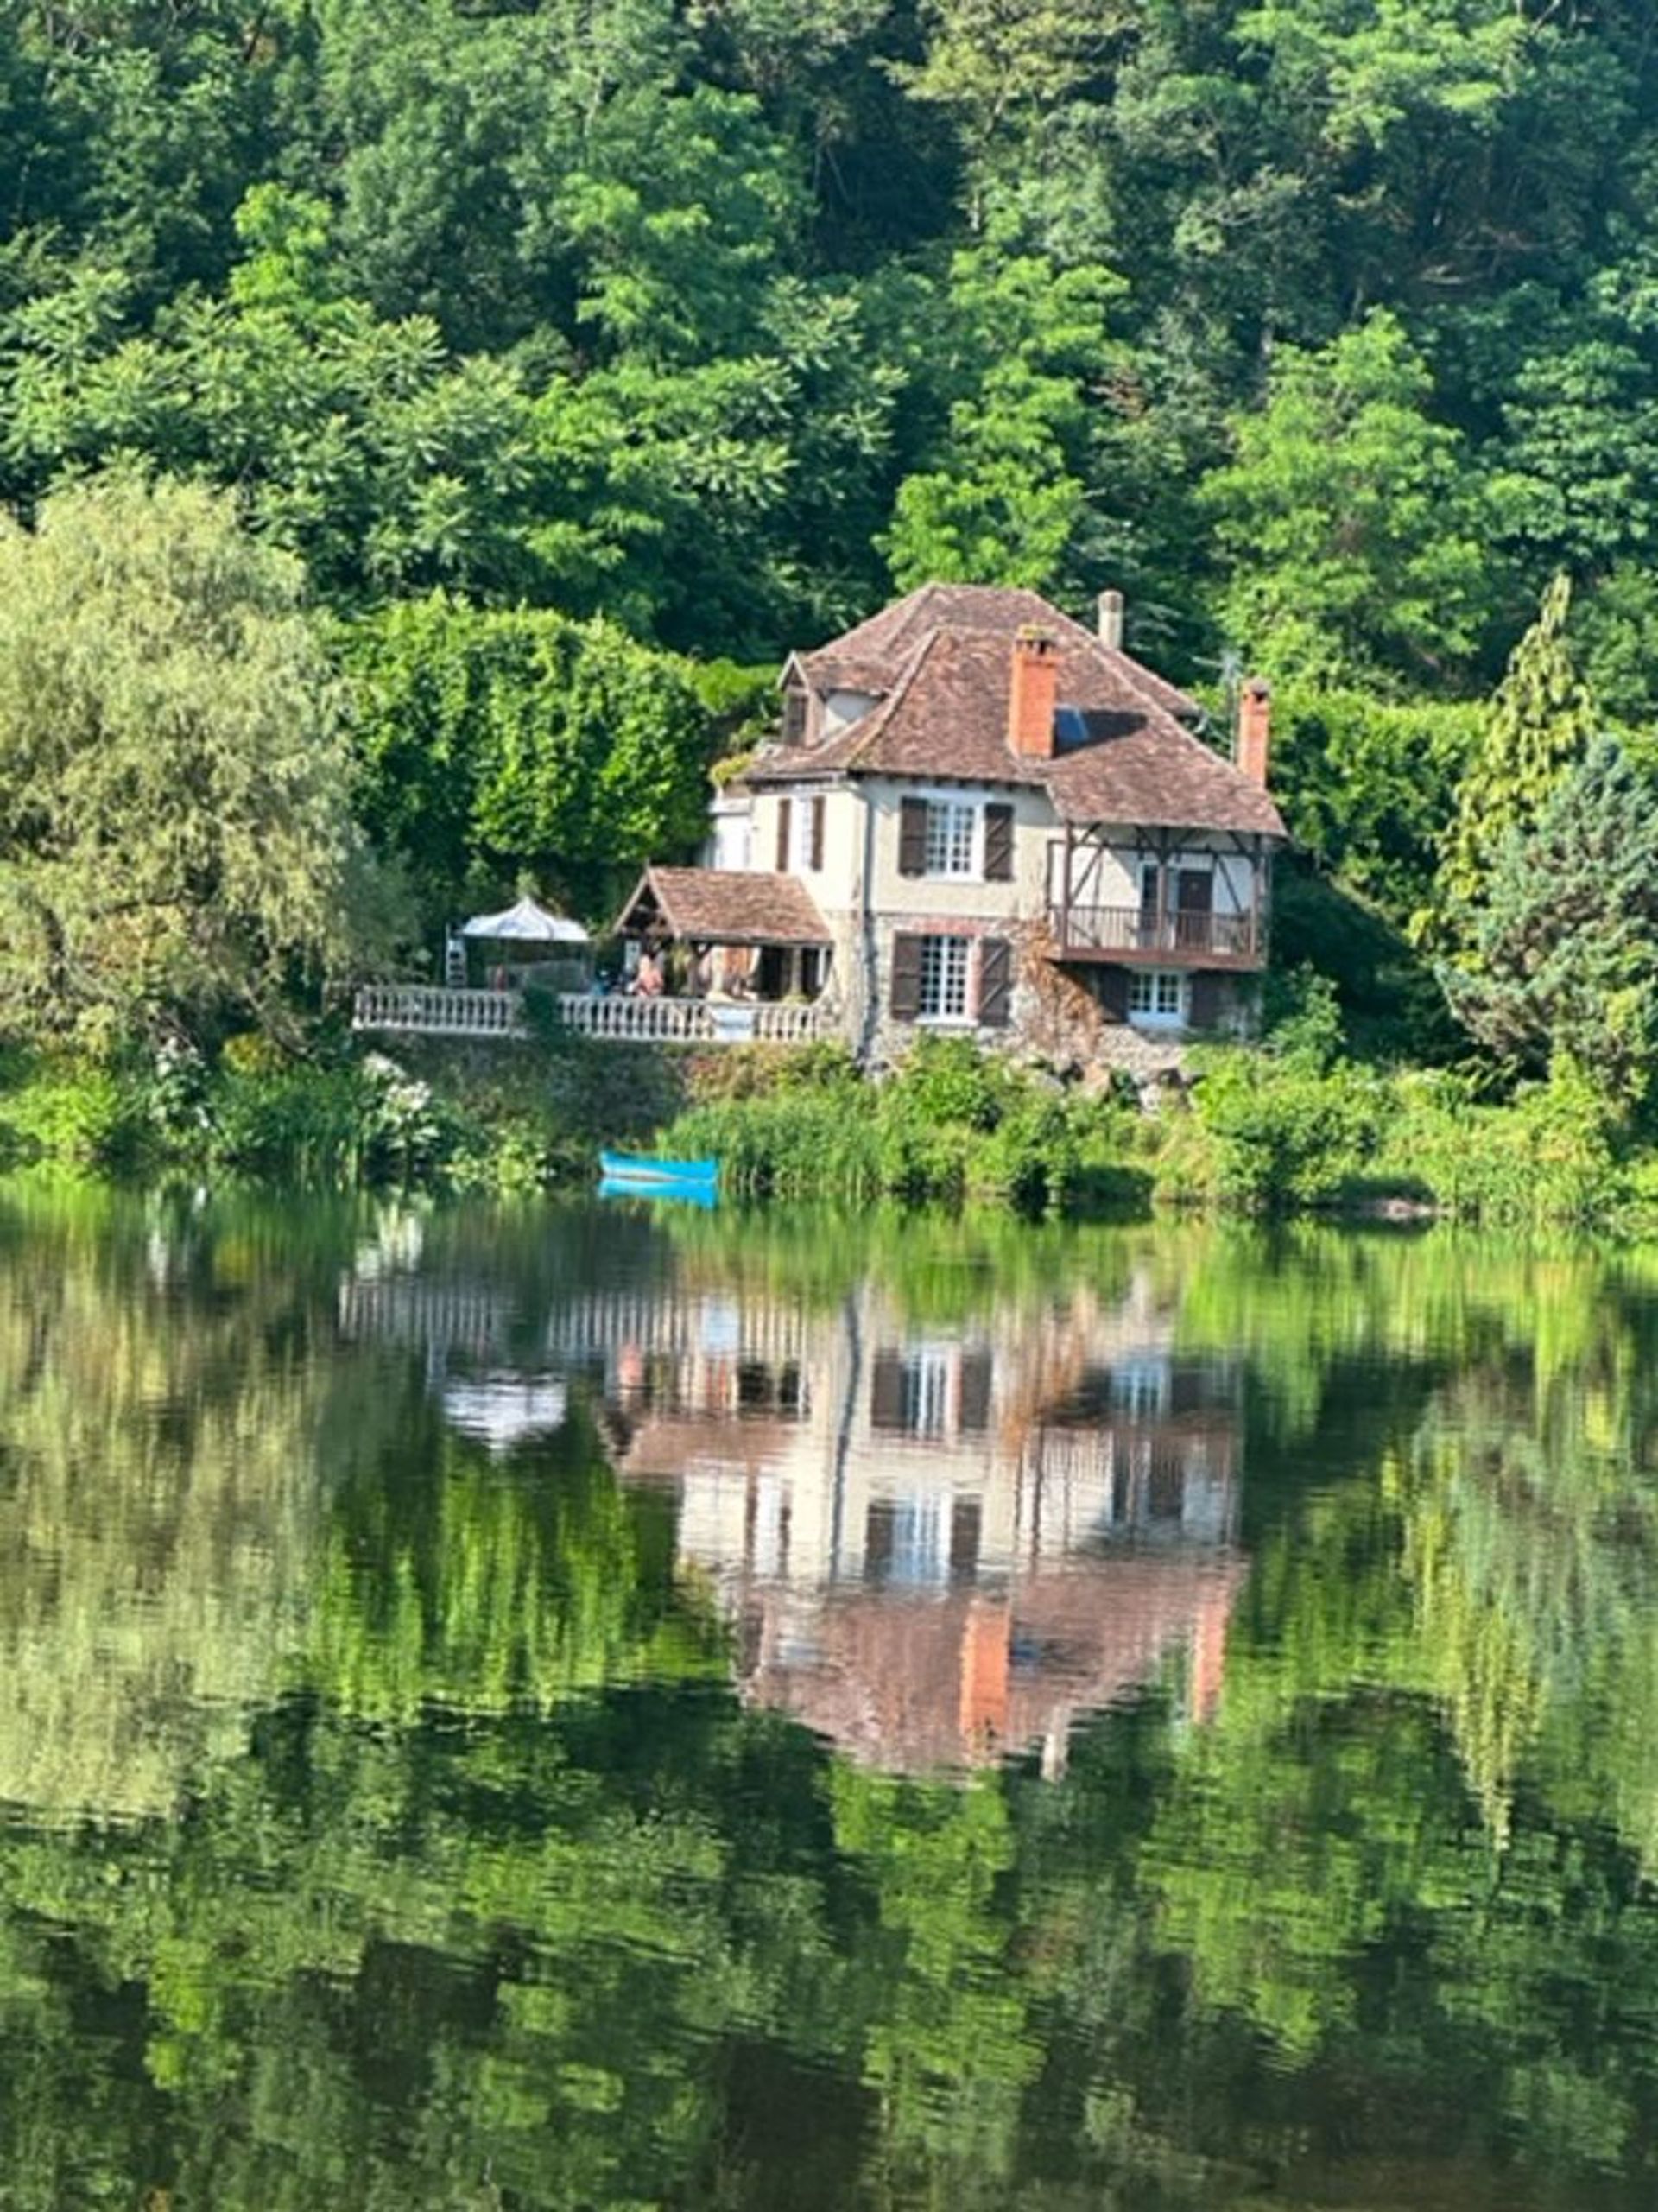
x: 421, y: 1010
x: 1130, y: 933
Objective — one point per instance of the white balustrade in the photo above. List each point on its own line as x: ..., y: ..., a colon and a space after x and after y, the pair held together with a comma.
x: 424, y: 1010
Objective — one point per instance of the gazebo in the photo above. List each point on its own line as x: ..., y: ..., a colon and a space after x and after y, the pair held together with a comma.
x: 538, y: 946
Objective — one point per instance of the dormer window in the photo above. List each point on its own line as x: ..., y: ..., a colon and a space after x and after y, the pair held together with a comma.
x: 794, y: 706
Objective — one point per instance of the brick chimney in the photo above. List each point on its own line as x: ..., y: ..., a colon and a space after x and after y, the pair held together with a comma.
x: 1252, y: 751
x: 1033, y: 693
x: 1111, y: 620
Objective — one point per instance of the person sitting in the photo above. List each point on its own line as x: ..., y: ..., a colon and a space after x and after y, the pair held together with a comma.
x: 647, y: 977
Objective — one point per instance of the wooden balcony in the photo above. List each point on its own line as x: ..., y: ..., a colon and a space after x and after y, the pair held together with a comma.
x: 422, y: 1010
x: 1130, y: 937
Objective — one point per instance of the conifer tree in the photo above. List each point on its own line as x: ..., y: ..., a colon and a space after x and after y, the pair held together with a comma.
x: 1564, y: 953
x: 1542, y: 719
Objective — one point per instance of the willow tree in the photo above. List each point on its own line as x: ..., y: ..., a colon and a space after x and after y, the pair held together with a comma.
x: 175, y: 833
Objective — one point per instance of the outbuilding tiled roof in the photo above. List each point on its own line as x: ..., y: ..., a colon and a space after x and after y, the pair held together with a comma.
x: 1123, y: 757
x: 725, y: 906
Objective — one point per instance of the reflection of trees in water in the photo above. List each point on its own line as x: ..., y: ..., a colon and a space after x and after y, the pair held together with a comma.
x: 446, y: 1934
x: 160, y: 1407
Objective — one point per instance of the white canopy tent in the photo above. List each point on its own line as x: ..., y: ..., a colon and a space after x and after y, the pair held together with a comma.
x: 526, y: 923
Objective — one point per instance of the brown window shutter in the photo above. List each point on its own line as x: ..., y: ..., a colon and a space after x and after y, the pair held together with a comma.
x: 784, y: 810
x: 995, y: 981
x: 912, y: 837
x: 1113, y: 989
x: 1208, y: 996
x: 975, y: 1393
x: 998, y: 844
x: 966, y: 1518
x: 906, y: 978
x: 887, y: 1390
x: 794, y: 715
x: 816, y: 834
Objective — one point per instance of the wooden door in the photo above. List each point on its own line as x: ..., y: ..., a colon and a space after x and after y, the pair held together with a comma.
x: 1194, y: 906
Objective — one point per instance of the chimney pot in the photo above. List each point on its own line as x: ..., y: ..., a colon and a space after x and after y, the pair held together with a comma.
x: 1252, y: 753
x: 1033, y: 693
x: 1111, y: 620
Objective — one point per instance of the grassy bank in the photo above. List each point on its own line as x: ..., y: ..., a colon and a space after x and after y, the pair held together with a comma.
x: 440, y: 1116
x: 1294, y: 1128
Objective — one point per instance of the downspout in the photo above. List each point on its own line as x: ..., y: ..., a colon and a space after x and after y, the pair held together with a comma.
x: 871, y: 1011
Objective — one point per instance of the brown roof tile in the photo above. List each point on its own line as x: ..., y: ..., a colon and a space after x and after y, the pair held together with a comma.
x: 877, y: 652
x: 945, y: 715
x: 725, y: 906
x: 1159, y: 777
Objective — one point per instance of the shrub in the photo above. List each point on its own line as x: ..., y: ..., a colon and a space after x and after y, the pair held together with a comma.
x: 85, y: 1116
x: 1281, y: 1133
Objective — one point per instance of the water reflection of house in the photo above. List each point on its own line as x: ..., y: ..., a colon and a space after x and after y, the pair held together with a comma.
x: 936, y: 1541
x: 942, y: 1542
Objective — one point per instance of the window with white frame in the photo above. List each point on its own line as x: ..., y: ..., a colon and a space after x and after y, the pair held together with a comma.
x: 944, y: 979
x: 951, y: 838
x: 805, y: 832
x: 1157, y: 995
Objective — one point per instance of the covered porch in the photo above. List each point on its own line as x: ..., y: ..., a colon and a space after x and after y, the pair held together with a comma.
x: 737, y: 943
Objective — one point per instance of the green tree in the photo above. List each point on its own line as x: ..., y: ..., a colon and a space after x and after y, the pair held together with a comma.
x: 1540, y: 720
x: 1563, y: 953
x: 493, y: 743
x: 175, y: 832
x: 1347, y: 518
x: 1005, y: 498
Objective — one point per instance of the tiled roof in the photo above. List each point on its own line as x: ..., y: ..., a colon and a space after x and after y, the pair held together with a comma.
x: 1159, y: 777
x: 873, y: 656
x: 728, y: 906
x: 833, y: 670
x: 945, y: 715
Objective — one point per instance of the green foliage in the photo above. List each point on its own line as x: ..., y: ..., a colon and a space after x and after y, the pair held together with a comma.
x: 1368, y: 785
x: 175, y: 817
x: 953, y: 1123
x: 1392, y: 1006
x: 1286, y: 1133
x: 492, y: 743
x: 633, y: 327
x: 79, y: 1116
x: 1562, y: 954
x: 1350, y: 520
x: 1540, y: 722
x: 1552, y: 1155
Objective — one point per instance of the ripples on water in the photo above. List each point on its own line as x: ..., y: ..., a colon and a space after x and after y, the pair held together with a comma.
x: 575, y: 1708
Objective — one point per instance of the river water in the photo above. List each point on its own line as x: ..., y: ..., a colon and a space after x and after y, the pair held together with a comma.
x: 580, y: 1707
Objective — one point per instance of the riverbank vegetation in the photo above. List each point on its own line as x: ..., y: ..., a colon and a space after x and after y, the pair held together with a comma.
x: 425, y: 435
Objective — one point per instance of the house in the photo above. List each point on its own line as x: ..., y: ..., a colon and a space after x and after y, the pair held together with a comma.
x: 980, y: 817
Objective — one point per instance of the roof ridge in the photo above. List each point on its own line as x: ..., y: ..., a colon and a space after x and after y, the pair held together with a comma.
x: 878, y: 717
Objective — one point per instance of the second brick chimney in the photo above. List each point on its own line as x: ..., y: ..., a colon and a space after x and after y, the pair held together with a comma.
x: 1253, y: 751
x: 1032, y: 694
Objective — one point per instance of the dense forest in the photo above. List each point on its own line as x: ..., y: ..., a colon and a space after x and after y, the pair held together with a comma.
x: 1324, y: 330
x: 569, y: 362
